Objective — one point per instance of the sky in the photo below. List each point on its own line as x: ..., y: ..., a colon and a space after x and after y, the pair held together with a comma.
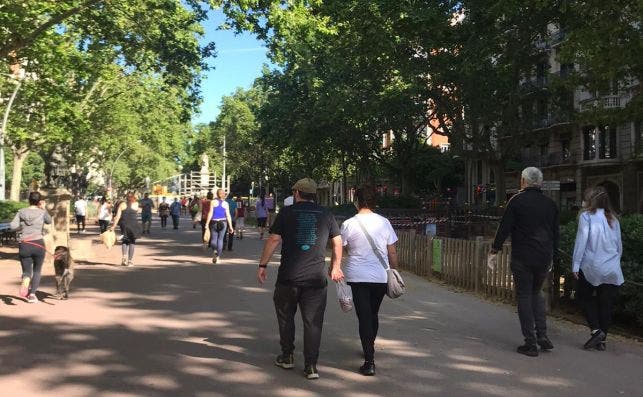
x: 239, y: 61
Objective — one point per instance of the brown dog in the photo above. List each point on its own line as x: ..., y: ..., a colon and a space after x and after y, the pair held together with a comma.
x: 64, y: 269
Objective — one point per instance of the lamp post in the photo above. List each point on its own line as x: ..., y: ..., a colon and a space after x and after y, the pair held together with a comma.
x: 111, y: 172
x: 17, y: 80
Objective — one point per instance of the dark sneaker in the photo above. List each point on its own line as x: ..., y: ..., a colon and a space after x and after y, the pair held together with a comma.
x: 310, y: 371
x: 215, y: 259
x: 596, y: 338
x: 368, y: 369
x: 285, y: 361
x: 545, y: 343
x: 601, y: 346
x: 528, y: 350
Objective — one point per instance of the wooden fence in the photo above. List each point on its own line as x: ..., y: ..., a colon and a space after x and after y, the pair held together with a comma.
x: 462, y: 263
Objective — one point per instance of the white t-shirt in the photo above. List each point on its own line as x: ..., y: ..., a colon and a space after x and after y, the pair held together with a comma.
x: 80, y: 206
x: 289, y: 201
x: 105, y: 214
x: 362, y: 265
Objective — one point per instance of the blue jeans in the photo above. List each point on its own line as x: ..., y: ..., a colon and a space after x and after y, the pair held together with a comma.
x: 216, y: 238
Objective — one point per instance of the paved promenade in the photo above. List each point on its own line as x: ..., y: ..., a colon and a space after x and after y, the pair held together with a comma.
x: 176, y: 325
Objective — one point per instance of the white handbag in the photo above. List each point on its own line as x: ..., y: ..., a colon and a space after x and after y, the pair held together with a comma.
x: 395, y: 284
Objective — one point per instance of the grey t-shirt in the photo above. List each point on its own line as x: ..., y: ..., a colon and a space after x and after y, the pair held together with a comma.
x: 30, y: 221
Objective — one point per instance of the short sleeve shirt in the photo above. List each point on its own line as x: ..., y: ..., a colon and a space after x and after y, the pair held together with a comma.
x: 305, y: 229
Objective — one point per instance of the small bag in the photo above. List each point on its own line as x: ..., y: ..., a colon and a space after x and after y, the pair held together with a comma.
x: 108, y: 237
x: 395, y: 284
x: 345, y: 296
x: 206, y: 236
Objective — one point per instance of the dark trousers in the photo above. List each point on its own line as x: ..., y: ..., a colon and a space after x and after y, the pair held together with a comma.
x: 175, y: 221
x: 312, y: 303
x: 163, y: 220
x: 596, y: 302
x: 531, y: 303
x: 80, y: 222
x: 228, y: 239
x: 103, y: 224
x: 31, y: 260
x: 367, y: 298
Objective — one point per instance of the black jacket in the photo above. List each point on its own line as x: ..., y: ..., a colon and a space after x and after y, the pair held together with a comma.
x: 532, y: 220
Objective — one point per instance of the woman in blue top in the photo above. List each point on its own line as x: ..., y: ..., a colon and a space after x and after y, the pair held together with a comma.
x: 218, y: 221
x: 597, y: 263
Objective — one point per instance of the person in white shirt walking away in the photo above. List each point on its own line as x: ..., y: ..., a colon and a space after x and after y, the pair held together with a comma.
x: 597, y: 263
x: 80, y: 209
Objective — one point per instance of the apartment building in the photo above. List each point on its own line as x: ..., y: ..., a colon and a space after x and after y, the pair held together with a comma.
x: 574, y: 155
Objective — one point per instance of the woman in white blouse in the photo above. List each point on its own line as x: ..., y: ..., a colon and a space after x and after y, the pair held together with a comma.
x: 597, y: 263
x: 365, y: 268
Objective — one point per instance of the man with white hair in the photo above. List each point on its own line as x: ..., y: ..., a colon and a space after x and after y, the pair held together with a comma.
x: 531, y: 218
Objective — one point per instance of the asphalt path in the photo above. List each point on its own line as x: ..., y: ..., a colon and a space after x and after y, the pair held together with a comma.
x: 176, y: 325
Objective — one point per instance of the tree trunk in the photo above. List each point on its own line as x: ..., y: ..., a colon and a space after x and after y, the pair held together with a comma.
x: 344, y: 182
x: 19, y: 157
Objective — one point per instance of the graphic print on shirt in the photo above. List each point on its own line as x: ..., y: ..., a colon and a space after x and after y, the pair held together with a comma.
x: 306, y: 230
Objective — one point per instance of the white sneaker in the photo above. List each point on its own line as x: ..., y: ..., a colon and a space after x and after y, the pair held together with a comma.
x: 32, y: 298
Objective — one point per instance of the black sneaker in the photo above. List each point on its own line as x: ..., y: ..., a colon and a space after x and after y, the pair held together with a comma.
x: 310, y: 371
x: 596, y: 338
x: 528, y: 350
x: 601, y: 346
x: 545, y: 343
x: 285, y: 361
x: 368, y: 369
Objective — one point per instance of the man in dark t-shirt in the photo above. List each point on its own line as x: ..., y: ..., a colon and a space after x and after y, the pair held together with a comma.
x: 303, y: 230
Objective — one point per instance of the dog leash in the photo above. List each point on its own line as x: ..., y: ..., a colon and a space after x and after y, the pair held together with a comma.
x: 41, y: 246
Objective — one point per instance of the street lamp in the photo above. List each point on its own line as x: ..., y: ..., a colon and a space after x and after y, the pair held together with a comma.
x: 111, y: 172
x: 17, y: 80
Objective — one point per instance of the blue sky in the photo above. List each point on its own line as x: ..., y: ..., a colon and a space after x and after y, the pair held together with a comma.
x: 239, y: 61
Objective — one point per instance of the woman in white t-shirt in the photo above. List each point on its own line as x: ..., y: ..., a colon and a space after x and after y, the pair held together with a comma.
x: 363, y: 269
x: 104, y: 214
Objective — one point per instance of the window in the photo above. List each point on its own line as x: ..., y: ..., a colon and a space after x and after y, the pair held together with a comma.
x: 607, y: 142
x: 444, y: 147
x: 589, y: 143
x: 564, y: 147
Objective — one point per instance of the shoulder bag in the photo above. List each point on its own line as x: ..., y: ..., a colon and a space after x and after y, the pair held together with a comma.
x: 395, y: 284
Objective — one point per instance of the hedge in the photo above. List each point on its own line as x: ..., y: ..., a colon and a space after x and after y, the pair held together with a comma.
x: 8, y: 209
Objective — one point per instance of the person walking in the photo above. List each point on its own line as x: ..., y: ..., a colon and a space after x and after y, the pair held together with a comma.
x: 303, y: 230
x: 228, y: 238
x: 364, y: 270
x: 219, y: 221
x: 175, y: 211
x: 104, y: 214
x: 164, y: 212
x: 261, y: 211
x: 271, y: 207
x: 146, y: 204
x: 241, y: 218
x: 205, y: 212
x: 532, y: 220
x: 80, y: 210
x: 127, y: 219
x: 596, y: 263
x: 31, y: 248
x: 195, y: 211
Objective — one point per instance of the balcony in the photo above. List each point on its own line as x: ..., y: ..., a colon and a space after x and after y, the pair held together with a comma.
x: 605, y: 102
x: 549, y: 160
x: 551, y: 120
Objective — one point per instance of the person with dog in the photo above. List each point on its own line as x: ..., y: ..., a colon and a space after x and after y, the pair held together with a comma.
x: 31, y: 248
x: 127, y: 219
x: 219, y: 221
x: 596, y: 263
x: 532, y: 220
x: 363, y: 268
x: 303, y: 230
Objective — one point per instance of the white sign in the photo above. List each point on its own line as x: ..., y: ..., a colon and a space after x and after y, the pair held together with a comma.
x: 551, y: 185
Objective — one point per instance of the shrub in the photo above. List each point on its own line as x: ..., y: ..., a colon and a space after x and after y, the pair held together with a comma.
x: 629, y: 307
x: 8, y: 209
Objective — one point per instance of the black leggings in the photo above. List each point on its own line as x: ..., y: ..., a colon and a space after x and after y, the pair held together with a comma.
x: 31, y: 260
x: 596, y: 302
x: 368, y: 298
